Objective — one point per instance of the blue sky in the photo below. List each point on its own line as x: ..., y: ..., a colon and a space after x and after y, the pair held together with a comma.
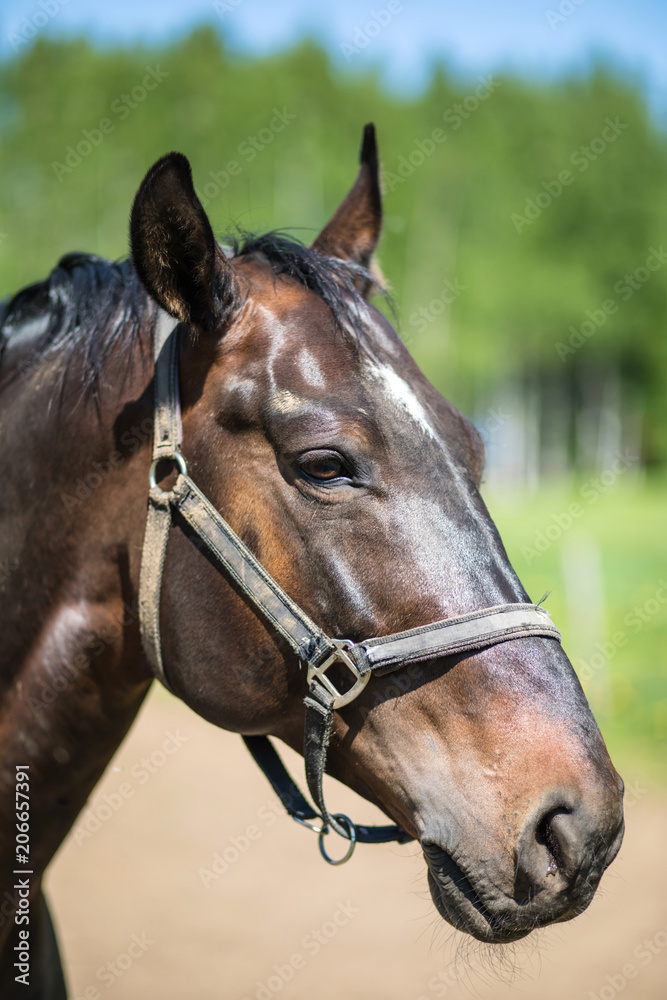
x: 531, y: 37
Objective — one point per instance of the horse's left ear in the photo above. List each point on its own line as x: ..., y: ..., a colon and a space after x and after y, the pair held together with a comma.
x: 174, y: 250
x: 354, y: 230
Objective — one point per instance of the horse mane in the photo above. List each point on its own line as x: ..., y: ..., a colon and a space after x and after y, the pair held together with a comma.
x: 86, y: 302
x: 334, y: 280
x: 91, y: 303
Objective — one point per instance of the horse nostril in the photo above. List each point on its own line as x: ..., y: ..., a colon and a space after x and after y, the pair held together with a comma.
x: 546, y: 834
x: 565, y: 845
x: 548, y: 852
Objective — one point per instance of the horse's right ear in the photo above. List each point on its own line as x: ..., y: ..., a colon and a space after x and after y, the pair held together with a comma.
x: 174, y: 250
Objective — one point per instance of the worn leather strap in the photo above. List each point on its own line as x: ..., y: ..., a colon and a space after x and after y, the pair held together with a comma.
x: 167, y: 435
x: 317, y: 734
x: 167, y: 430
x: 158, y: 525
x: 305, y: 637
x: 267, y: 758
x: 316, y: 737
x: 475, y: 630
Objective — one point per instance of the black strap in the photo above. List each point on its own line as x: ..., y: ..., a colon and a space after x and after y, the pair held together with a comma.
x: 317, y: 734
x: 268, y: 759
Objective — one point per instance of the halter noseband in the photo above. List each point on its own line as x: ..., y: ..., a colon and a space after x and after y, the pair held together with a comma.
x: 318, y: 651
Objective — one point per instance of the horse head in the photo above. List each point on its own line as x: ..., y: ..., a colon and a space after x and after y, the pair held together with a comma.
x: 310, y: 428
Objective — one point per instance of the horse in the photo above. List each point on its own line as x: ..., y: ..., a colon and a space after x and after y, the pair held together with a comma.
x: 364, y: 591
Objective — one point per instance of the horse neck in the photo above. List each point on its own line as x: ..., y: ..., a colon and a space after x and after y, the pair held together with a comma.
x: 72, y: 672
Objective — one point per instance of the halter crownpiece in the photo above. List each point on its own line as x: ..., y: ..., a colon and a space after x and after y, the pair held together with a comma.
x: 318, y: 651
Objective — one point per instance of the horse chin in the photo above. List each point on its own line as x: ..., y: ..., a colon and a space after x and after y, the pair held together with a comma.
x: 458, y: 903
x: 499, y: 922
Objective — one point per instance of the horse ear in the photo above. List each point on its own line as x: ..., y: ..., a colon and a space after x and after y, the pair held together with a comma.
x: 354, y: 230
x: 174, y: 250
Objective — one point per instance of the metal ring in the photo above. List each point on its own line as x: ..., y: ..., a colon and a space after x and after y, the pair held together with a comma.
x: 310, y: 826
x: 176, y: 457
x: 353, y: 840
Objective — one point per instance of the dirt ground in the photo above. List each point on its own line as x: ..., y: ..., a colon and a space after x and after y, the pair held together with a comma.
x: 184, y: 880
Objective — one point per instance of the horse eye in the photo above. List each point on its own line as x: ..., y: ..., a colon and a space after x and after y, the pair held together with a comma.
x: 323, y: 469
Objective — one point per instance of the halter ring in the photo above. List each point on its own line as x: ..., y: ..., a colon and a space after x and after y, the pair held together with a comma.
x: 176, y: 457
x: 346, y: 821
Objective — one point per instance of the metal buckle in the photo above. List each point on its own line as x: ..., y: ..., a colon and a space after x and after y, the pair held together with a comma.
x: 339, y: 655
x: 176, y: 457
x: 346, y: 821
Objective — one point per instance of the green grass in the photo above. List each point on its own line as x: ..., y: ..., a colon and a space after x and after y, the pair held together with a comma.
x: 604, y: 564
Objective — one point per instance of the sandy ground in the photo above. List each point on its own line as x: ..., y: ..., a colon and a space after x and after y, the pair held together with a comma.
x: 145, y: 913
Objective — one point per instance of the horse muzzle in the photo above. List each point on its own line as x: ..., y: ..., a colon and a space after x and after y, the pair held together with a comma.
x: 560, y: 853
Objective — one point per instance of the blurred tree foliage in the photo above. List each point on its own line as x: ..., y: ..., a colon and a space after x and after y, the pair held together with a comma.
x: 500, y: 265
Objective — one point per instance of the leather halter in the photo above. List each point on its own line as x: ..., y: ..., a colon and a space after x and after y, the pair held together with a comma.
x: 317, y: 650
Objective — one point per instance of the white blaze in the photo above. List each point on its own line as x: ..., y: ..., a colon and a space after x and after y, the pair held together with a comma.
x: 403, y: 396
x: 309, y: 368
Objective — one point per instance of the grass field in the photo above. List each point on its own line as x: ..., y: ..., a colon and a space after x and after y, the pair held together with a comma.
x: 600, y: 551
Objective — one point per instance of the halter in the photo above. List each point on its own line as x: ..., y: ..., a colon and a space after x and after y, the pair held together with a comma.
x: 317, y: 650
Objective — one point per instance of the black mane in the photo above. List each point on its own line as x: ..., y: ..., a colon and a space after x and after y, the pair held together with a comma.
x: 87, y: 301
x: 334, y: 280
x: 98, y: 304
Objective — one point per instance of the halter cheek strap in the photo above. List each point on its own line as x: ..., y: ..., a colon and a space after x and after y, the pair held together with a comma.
x: 316, y: 650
